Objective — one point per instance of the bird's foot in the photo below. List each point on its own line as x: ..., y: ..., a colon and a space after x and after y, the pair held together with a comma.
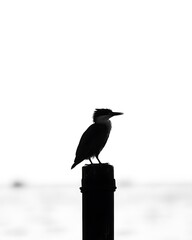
x: 99, y: 160
x: 90, y: 161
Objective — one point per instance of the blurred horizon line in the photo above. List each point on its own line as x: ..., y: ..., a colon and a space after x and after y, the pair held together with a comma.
x: 121, y: 183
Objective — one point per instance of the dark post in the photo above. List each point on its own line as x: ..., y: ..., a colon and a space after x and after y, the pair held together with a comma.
x: 98, y: 186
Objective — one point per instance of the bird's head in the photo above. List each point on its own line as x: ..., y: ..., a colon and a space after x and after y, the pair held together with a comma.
x: 103, y: 115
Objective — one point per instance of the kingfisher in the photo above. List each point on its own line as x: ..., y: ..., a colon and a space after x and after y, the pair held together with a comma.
x: 95, y: 137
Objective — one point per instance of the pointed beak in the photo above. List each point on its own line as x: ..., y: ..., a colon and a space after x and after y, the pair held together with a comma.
x: 116, y: 113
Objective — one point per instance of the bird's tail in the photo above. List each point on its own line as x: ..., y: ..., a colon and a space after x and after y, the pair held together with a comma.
x: 77, y: 161
x: 74, y: 164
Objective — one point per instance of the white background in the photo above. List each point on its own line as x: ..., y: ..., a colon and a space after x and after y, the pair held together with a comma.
x: 59, y: 60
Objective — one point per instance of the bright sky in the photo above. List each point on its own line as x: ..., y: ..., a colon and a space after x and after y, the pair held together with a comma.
x: 62, y: 59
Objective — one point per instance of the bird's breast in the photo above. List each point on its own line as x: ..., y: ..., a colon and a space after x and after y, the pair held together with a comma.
x: 103, y: 131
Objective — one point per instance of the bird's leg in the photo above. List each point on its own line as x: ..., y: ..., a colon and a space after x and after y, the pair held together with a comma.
x: 90, y: 160
x: 98, y: 160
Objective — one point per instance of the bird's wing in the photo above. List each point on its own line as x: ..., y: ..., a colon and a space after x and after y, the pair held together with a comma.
x: 92, y: 141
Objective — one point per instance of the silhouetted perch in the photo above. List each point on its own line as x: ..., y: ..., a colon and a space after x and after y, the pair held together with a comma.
x: 98, y: 186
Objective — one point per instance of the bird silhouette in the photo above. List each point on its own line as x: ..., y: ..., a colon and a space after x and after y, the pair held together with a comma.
x: 95, y: 137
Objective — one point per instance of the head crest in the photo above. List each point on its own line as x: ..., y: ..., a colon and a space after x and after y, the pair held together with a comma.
x: 101, y: 111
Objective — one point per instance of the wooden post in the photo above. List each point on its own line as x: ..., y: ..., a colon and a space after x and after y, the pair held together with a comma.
x: 98, y: 186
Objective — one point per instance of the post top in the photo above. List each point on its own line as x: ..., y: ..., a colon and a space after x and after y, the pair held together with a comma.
x: 98, y: 177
